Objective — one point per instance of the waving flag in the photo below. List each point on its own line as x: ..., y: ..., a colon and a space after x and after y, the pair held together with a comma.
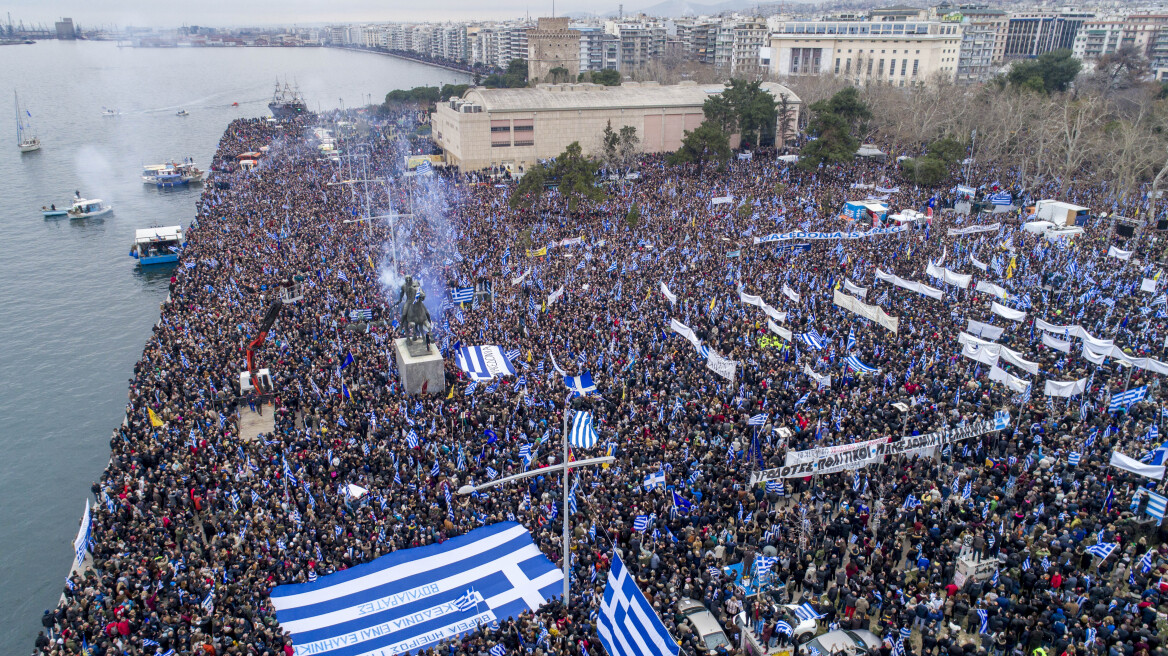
x: 583, y: 435
x: 1124, y: 400
x: 627, y: 623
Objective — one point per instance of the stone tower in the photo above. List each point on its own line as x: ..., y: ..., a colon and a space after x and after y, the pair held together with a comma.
x: 552, y: 44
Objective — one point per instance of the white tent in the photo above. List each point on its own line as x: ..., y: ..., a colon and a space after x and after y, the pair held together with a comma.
x: 1037, y: 227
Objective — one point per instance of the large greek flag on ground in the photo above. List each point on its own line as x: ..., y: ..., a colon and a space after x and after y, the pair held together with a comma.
x: 484, y: 362
x: 628, y: 625
x: 411, y: 599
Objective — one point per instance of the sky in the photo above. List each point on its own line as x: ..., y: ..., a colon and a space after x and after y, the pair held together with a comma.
x: 222, y: 13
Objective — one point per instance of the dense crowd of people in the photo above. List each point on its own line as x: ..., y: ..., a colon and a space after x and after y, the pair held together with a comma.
x: 193, y: 525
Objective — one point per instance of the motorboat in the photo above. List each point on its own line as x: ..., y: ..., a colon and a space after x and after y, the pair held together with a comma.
x: 26, y: 139
x: 84, y: 208
x: 110, y: 112
x: 162, y: 175
x: 182, y: 112
x: 158, y: 245
x: 190, y: 173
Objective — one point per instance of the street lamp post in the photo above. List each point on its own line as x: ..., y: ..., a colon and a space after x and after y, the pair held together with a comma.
x: 565, y: 467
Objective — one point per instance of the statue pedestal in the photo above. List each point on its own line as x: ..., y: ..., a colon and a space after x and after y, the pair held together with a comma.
x: 424, y: 370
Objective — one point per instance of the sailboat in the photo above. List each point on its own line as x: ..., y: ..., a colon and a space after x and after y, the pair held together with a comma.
x: 26, y: 139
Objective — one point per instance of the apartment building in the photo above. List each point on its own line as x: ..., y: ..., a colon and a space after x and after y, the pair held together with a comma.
x: 1034, y: 33
x: 900, y: 53
x: 599, y: 50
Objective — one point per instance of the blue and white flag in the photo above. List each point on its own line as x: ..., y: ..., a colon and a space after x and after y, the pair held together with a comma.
x: 581, y: 385
x: 1073, y: 458
x: 812, y: 340
x: 640, y: 522
x: 627, y: 623
x: 1123, y: 400
x: 1002, y: 198
x: 1103, y: 549
x: 806, y: 612
x: 484, y: 362
x: 855, y: 365
x: 462, y: 294
x: 583, y: 435
x: 653, y: 480
x: 410, y: 599
x: 757, y: 420
x: 425, y: 168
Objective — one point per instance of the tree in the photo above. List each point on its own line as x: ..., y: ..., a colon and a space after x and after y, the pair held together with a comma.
x: 927, y: 170
x: 754, y: 109
x: 619, y: 148
x: 720, y: 112
x: 1049, y: 73
x: 607, y: 77
x: 848, y: 105
x: 576, y: 175
x: 1120, y: 69
x: 529, y: 191
x: 633, y: 216
x: 514, y: 77
x: 947, y: 150
x: 706, y: 143
x: 786, y: 118
x: 558, y: 74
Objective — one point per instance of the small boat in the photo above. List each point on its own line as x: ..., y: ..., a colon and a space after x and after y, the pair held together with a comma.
x: 26, y: 138
x: 235, y: 104
x: 157, y: 245
x: 189, y: 172
x: 84, y: 208
x: 110, y: 112
x: 182, y: 112
x: 52, y: 211
x: 162, y: 175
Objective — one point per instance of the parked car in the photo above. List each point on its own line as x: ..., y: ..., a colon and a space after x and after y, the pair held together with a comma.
x: 704, y: 625
x: 848, y: 643
x: 804, y: 630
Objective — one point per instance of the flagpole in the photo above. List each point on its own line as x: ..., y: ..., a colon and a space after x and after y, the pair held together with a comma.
x: 566, y: 545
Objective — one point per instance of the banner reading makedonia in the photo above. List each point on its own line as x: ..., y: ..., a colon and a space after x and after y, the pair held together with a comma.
x: 830, y: 460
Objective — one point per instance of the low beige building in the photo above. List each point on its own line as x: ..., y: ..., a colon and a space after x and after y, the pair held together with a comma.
x: 518, y: 127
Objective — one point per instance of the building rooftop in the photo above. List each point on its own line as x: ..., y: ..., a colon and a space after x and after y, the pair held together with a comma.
x: 557, y: 97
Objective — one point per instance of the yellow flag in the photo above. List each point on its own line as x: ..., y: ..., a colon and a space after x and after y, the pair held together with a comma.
x: 1157, y: 276
x: 451, y: 394
x: 370, y: 260
x: 537, y: 253
x: 712, y: 302
x: 529, y: 355
x: 154, y: 420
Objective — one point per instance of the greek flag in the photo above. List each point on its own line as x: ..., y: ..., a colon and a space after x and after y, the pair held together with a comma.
x: 776, y: 487
x: 462, y: 294
x: 627, y: 623
x: 855, y: 365
x: 812, y: 340
x: 425, y: 168
x: 498, y: 650
x: 851, y: 338
x: 583, y: 435
x: 1124, y: 400
x: 641, y: 523
x: 653, y: 480
x: 783, y: 627
x: 413, y: 598
x: 1073, y: 458
x: 681, y: 503
x: 580, y: 385
x: 1157, y: 505
x: 484, y: 362
x: 807, y: 613
x: 912, y: 502
x: 983, y: 617
x: 757, y: 420
x: 1003, y: 198
x: 1146, y: 562
x: 1103, y: 549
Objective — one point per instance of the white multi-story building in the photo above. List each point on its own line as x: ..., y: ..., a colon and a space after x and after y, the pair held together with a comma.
x: 900, y: 53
